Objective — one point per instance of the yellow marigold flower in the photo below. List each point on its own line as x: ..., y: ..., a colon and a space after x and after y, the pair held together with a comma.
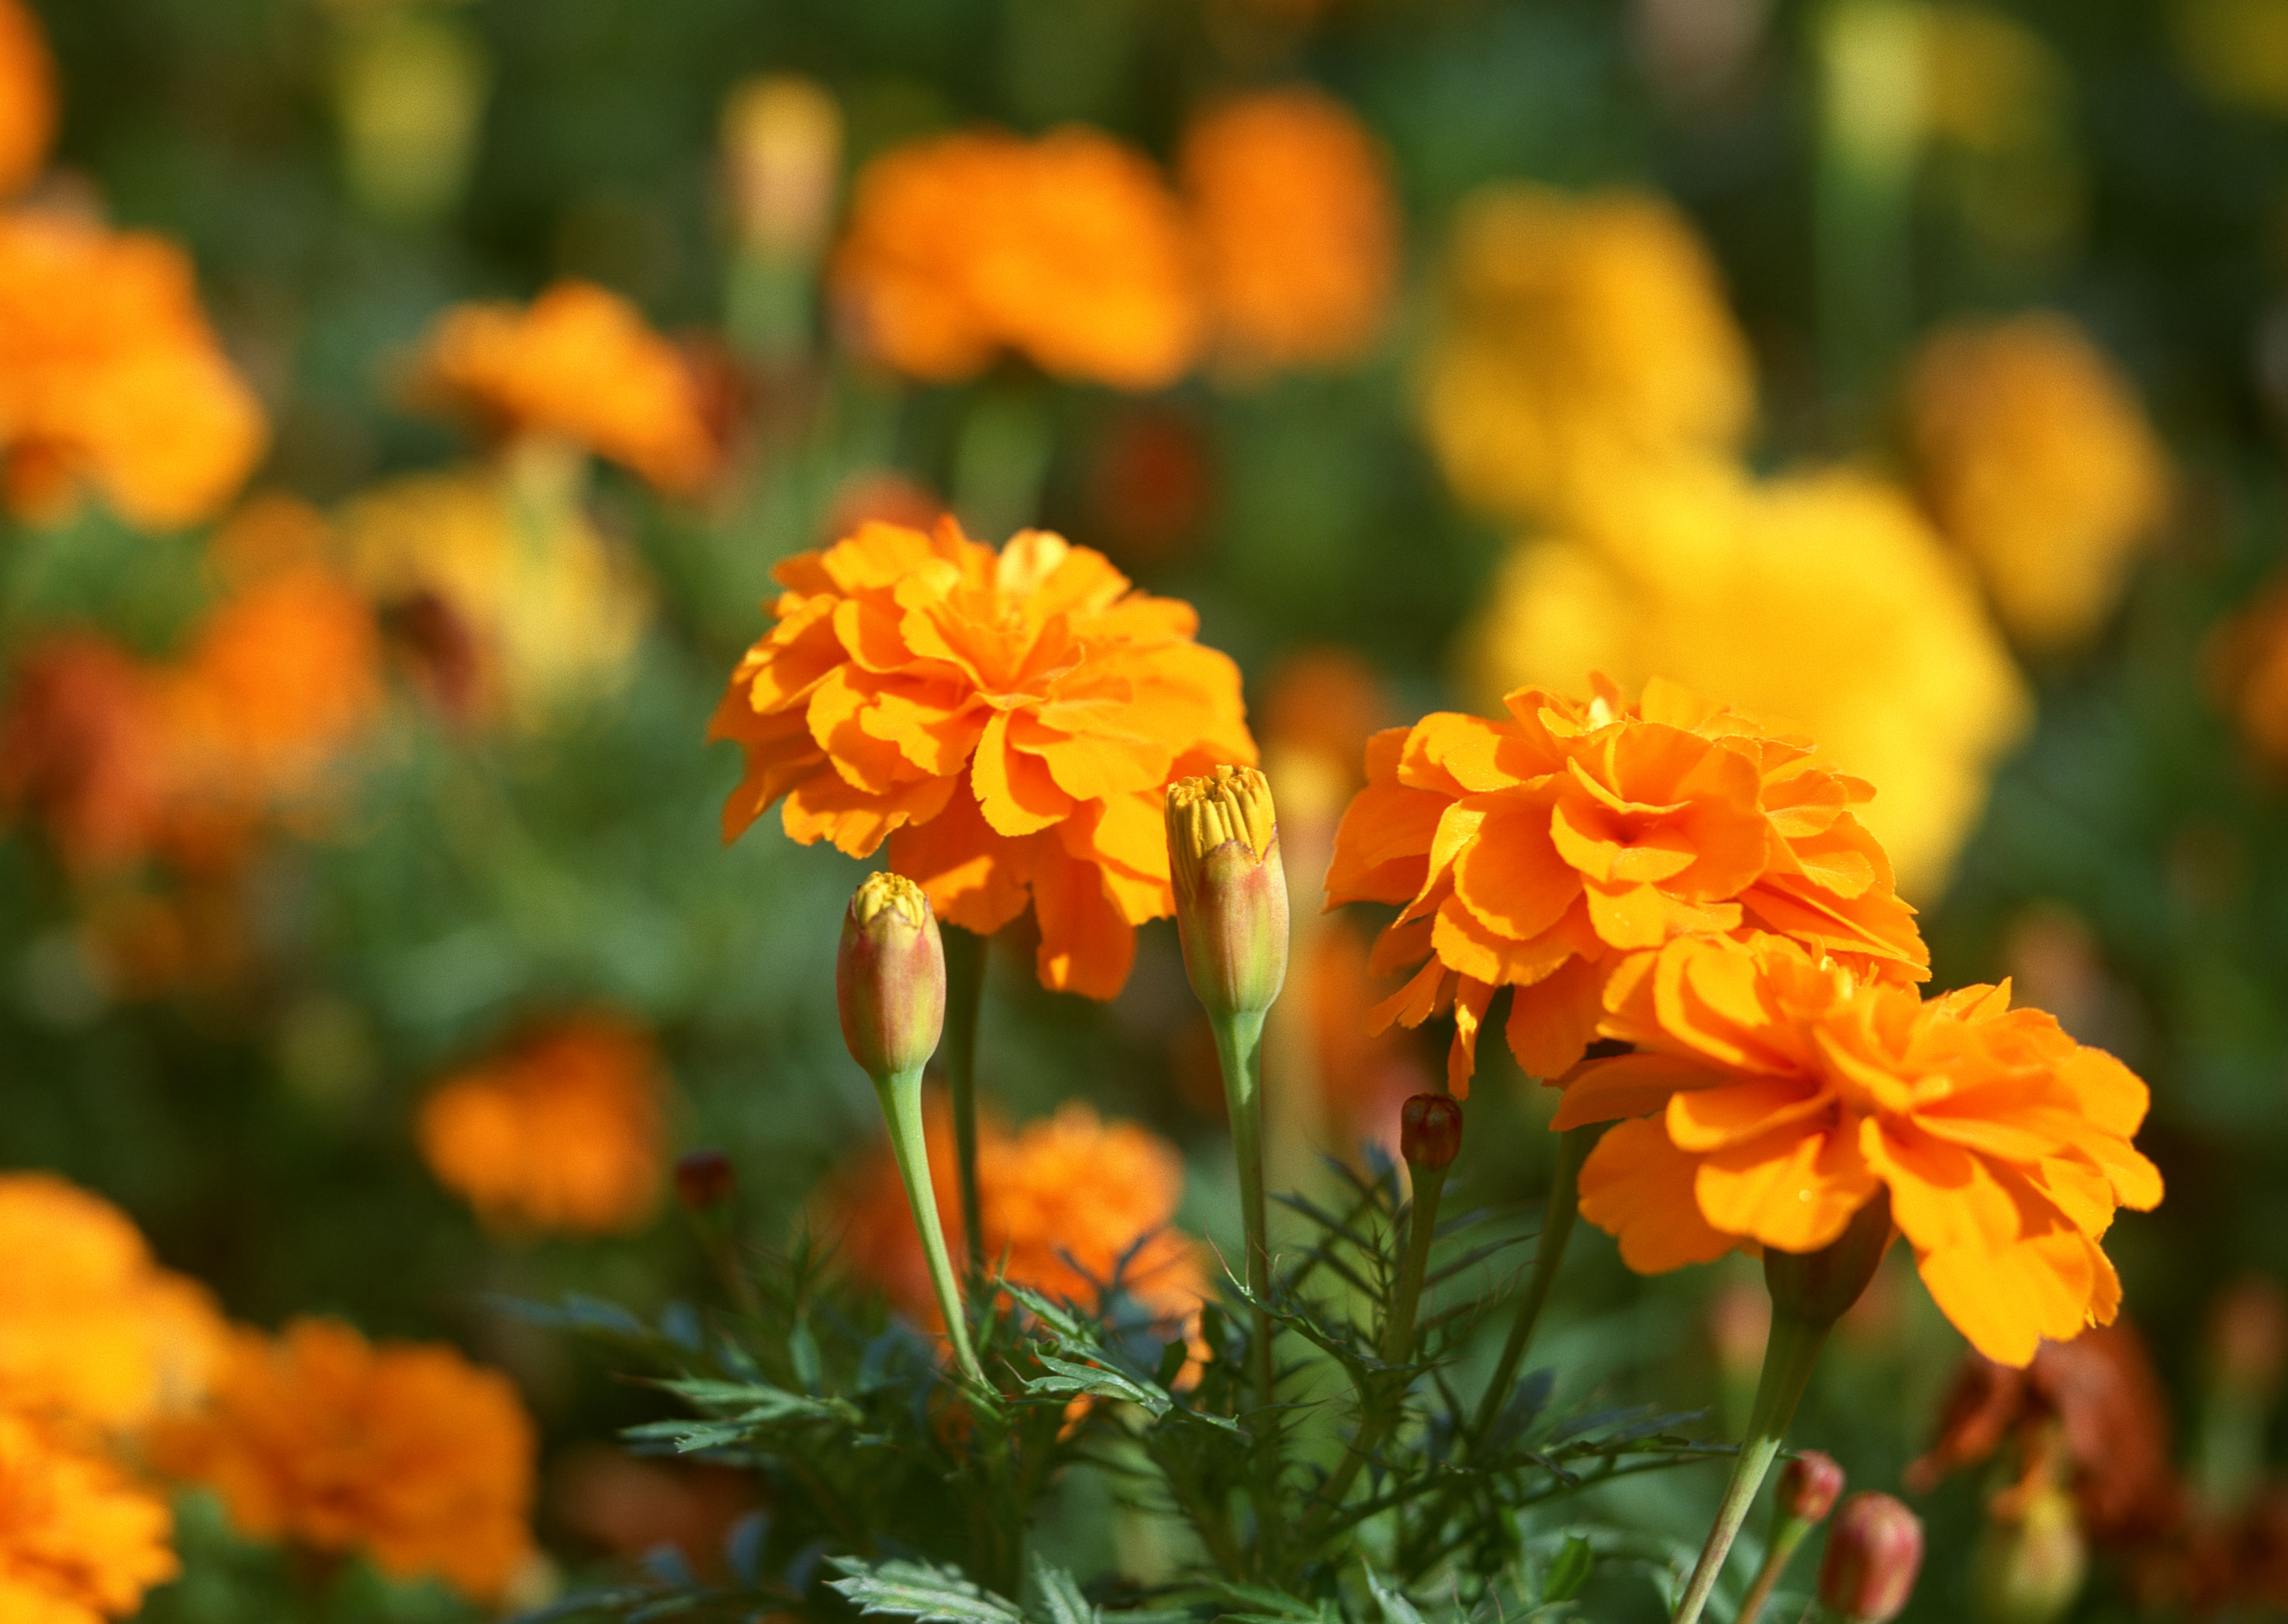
x: 1774, y: 1093
x: 1580, y: 339
x: 91, y: 1328
x: 78, y: 1541
x: 1069, y: 250
x: 1822, y: 599
x: 1299, y: 229
x: 404, y: 1451
x: 2037, y: 460
x: 579, y: 364
x: 560, y: 1130
x: 110, y: 376
x: 27, y: 97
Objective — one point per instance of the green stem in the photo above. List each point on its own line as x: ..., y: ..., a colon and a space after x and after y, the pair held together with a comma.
x: 900, y: 1093
x: 1789, y: 1356
x: 1785, y: 1537
x: 1239, y: 1045
x: 964, y: 995
x: 1573, y: 1148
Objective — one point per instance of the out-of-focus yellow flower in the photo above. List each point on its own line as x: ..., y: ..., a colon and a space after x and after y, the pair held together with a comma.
x: 27, y: 97
x: 93, y: 1330
x: 516, y: 608
x: 1299, y: 230
x: 782, y: 155
x: 2037, y: 460
x: 409, y: 86
x: 2236, y: 51
x: 1823, y: 600
x: 110, y: 376
x: 78, y: 1541
x: 579, y: 364
x: 560, y: 1131
x: 1583, y: 339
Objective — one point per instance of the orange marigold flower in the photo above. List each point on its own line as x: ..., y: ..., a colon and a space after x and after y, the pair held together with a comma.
x: 78, y: 1541
x: 27, y: 97
x: 91, y: 1328
x: 82, y: 750
x: 1069, y: 250
x: 560, y: 1131
x: 1007, y: 722
x: 2037, y: 460
x: 1776, y: 1092
x: 580, y: 364
x: 110, y: 376
x: 1299, y: 229
x: 1535, y: 852
x: 403, y: 1451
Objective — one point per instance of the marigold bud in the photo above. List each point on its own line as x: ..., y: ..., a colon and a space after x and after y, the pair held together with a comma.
x: 1231, y: 889
x: 782, y: 146
x: 889, y: 978
x: 1430, y: 1130
x: 1874, y: 1553
x: 704, y: 1179
x: 1809, y: 1487
x: 1816, y: 1288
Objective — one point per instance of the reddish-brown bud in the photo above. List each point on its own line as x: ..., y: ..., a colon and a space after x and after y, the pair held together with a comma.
x: 889, y: 978
x: 1430, y: 1130
x: 704, y: 1179
x: 1809, y: 1487
x: 1874, y: 1553
x: 1231, y: 889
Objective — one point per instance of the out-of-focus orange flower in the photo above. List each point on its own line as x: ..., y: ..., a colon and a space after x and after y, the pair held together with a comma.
x: 1324, y: 703
x: 110, y: 376
x: 82, y: 751
x: 2037, y: 460
x: 1583, y: 339
x: 91, y: 1329
x: 1298, y: 228
x: 2246, y: 662
x: 1069, y: 250
x: 560, y: 1131
x: 631, y: 1508
x: 1007, y: 721
x: 1536, y: 851
x: 1364, y: 1076
x: 27, y: 97
x: 78, y: 1541
x: 580, y: 364
x: 405, y: 1451
x: 1776, y: 1093
x: 1150, y: 484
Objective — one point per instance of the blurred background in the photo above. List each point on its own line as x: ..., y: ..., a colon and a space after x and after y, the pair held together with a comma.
x: 403, y: 403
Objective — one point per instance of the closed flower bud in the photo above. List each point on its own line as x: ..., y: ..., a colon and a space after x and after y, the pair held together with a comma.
x: 1874, y: 1553
x: 1809, y: 1487
x: 782, y: 147
x: 889, y: 978
x: 1231, y: 889
x: 1430, y: 1130
x: 1817, y: 1287
x: 704, y: 1179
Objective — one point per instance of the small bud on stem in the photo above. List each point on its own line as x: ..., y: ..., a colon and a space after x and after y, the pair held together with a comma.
x: 1874, y: 1553
x: 1430, y: 1130
x: 1231, y: 889
x: 704, y: 1179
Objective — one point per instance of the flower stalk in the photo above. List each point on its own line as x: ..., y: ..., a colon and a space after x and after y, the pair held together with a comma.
x: 964, y: 997
x: 1808, y: 1489
x: 1564, y: 1206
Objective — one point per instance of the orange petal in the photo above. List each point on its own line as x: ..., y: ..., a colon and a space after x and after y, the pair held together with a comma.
x: 1086, y: 944
x: 1791, y: 1190
x: 1625, y: 1086
x: 1013, y: 789
x: 1551, y: 1021
x: 975, y: 878
x: 1637, y: 1186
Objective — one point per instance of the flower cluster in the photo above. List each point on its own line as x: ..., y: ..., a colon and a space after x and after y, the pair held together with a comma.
x: 79, y: 1541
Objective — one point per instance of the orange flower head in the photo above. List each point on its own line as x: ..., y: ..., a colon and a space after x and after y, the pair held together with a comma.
x: 560, y: 1130
x: 82, y: 750
x: 1006, y: 721
x: 404, y: 1451
x: 579, y: 364
x: 1536, y: 851
x: 78, y: 1541
x: 93, y: 1330
x: 27, y: 97
x: 1069, y: 250
x: 1299, y: 229
x: 110, y: 377
x: 1776, y: 1092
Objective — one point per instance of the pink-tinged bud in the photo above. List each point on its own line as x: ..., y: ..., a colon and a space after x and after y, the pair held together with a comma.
x: 1430, y: 1130
x: 1231, y: 889
x: 1809, y: 1487
x: 1874, y: 1553
x: 704, y: 1179
x: 889, y: 978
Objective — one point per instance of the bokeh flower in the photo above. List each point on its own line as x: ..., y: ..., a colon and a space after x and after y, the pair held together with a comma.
x: 93, y: 1330
x: 27, y: 97
x: 560, y: 1130
x: 82, y: 751
x: 404, y: 1451
x: 2036, y: 458
x: 1776, y: 1092
x: 1823, y: 599
x: 111, y: 378
x: 78, y: 1540
x: 1538, y: 851
x: 580, y: 364
x: 1299, y: 229
x: 1069, y: 250
x: 1006, y: 721
x: 1581, y: 339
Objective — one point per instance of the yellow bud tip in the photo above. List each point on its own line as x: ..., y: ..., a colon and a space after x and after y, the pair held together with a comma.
x: 894, y: 891
x: 1228, y: 804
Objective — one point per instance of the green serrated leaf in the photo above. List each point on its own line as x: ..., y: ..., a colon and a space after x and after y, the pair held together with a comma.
x: 1395, y: 1608
x: 1069, y: 1379
x: 1061, y: 1601
x: 920, y: 1590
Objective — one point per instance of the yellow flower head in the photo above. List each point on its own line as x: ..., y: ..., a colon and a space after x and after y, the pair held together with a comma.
x: 78, y: 1541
